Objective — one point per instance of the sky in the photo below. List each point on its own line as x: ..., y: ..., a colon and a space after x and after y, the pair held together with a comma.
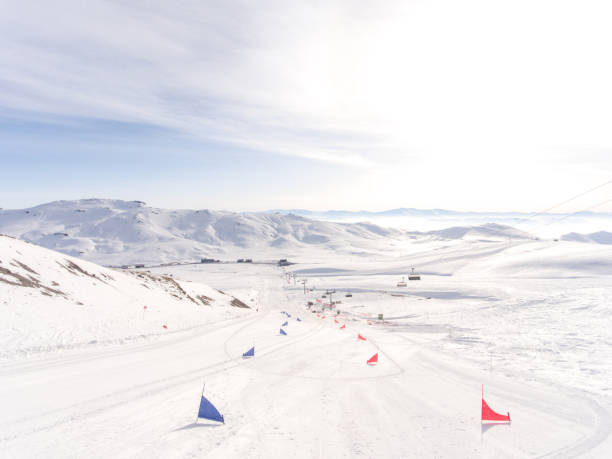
x: 477, y: 105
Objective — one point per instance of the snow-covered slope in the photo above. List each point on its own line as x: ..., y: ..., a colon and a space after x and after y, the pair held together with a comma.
x: 116, y: 232
x: 54, y: 301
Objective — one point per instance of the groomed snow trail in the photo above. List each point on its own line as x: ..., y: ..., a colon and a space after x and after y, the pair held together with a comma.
x: 307, y: 394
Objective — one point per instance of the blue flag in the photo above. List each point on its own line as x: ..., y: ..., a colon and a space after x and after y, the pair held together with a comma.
x: 283, y: 332
x: 299, y: 320
x: 249, y: 353
x: 208, y: 411
x: 285, y: 324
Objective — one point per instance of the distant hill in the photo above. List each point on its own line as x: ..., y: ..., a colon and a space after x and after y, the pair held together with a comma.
x: 117, y: 232
x: 599, y: 237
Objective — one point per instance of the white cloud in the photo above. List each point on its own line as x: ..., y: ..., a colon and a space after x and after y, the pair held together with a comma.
x: 421, y: 85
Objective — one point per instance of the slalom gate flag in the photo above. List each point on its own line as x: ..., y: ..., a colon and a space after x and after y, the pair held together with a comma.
x: 488, y: 415
x: 208, y: 411
x: 165, y: 326
x: 289, y: 315
x: 360, y: 337
x: 299, y: 320
x: 335, y: 321
x: 249, y: 353
x: 343, y: 327
x: 373, y: 360
x: 283, y: 332
x: 322, y: 317
x: 285, y: 324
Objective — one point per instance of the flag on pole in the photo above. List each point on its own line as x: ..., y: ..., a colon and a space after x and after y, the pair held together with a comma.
x: 208, y: 411
x: 283, y: 332
x: 488, y: 415
x: 360, y: 337
x: 373, y: 360
x: 343, y: 327
x: 285, y: 324
x: 249, y: 353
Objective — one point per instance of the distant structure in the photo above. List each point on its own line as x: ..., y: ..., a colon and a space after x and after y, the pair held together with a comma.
x: 139, y: 265
x: 283, y: 262
x: 402, y: 283
x: 207, y: 260
x: 414, y: 276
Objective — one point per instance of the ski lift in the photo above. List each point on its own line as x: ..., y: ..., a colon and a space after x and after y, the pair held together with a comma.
x: 402, y: 283
x: 414, y: 276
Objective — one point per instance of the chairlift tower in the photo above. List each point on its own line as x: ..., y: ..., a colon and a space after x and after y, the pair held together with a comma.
x: 330, y: 293
x: 304, y: 282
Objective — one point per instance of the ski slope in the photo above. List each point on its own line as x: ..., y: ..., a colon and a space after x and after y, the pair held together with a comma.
x: 310, y: 393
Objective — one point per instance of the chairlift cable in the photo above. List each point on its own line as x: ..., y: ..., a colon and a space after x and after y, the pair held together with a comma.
x: 536, y: 214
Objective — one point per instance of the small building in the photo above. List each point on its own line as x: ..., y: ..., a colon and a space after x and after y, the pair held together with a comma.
x: 207, y: 260
x: 283, y: 262
x: 139, y: 265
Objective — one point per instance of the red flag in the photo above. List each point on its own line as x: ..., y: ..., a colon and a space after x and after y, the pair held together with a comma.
x: 373, y: 360
x: 360, y: 337
x: 343, y: 327
x: 488, y: 414
x: 165, y: 326
x: 322, y: 317
x: 335, y: 321
x: 145, y: 307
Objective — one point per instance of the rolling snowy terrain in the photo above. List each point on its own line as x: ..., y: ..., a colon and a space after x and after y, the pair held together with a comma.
x: 114, y: 232
x: 528, y: 319
x: 542, y: 224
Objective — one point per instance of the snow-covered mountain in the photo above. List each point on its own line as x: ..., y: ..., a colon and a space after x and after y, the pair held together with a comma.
x: 52, y: 300
x: 486, y: 232
x: 599, y: 237
x: 117, y: 232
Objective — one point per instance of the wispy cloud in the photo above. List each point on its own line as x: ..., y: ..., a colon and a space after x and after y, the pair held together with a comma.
x: 360, y: 84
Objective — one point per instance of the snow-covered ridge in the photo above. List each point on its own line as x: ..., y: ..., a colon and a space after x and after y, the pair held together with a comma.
x: 600, y: 237
x: 52, y: 301
x: 117, y: 232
